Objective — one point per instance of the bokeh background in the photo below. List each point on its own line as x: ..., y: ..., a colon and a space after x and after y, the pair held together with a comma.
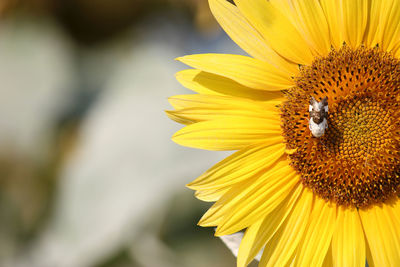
x: 88, y: 173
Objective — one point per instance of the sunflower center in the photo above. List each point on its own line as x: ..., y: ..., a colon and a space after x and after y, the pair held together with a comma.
x: 358, y: 129
x: 357, y: 160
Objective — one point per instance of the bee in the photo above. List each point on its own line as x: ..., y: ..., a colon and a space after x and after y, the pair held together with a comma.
x: 318, y: 113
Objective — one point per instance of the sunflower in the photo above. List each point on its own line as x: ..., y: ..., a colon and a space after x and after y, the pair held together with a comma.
x: 305, y: 199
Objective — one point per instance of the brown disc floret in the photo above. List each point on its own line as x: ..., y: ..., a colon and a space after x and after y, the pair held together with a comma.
x: 357, y: 161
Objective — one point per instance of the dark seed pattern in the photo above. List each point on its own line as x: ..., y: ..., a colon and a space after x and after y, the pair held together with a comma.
x: 357, y: 161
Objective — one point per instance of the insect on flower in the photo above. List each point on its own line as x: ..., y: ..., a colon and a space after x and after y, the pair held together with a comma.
x: 309, y: 195
x: 318, y: 112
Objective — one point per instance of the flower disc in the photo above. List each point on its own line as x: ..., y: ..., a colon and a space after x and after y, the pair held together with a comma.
x: 357, y: 161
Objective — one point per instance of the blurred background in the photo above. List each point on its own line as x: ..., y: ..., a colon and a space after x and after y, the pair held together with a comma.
x: 88, y: 173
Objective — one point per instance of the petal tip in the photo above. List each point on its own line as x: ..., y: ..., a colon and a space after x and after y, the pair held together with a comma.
x: 191, y: 186
x: 179, y: 59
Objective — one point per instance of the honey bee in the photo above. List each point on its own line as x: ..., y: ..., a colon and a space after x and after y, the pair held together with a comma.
x: 318, y: 113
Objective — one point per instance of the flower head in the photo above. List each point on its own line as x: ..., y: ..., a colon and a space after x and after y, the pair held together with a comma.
x: 309, y: 196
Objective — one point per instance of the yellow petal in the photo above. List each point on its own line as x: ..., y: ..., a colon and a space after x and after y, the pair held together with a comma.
x: 309, y: 19
x: 258, y: 234
x: 230, y: 134
x: 375, y: 20
x: 369, y: 256
x: 312, y: 24
x: 212, y: 217
x: 243, y: 190
x: 348, y: 244
x: 242, y: 33
x: 285, y: 7
x: 178, y: 119
x: 251, y: 205
x: 250, y: 237
x: 355, y: 18
x: 240, y: 166
x: 393, y: 224
x: 208, y: 101
x: 388, y: 28
x: 382, y: 233
x: 209, y: 84
x: 279, y: 32
x: 328, y: 262
x: 280, y: 249
x: 211, y: 195
x: 333, y: 14
x: 194, y: 115
x: 318, y: 236
x: 396, y: 50
x: 247, y: 71
x: 196, y: 108
x: 394, y: 209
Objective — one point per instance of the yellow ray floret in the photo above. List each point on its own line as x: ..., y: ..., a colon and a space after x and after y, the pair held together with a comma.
x: 311, y: 22
x: 261, y: 197
x: 229, y: 134
x: 197, y: 108
x: 260, y: 233
x: 388, y: 29
x: 211, y: 195
x: 355, y: 17
x: 247, y: 71
x: 348, y: 245
x: 279, y: 32
x: 280, y: 250
x: 210, y: 84
x: 318, y: 236
x: 333, y: 15
x: 382, y: 232
x: 241, y: 32
x: 242, y: 190
x: 238, y: 167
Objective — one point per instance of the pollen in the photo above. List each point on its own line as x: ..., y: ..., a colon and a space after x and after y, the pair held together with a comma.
x: 357, y: 161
